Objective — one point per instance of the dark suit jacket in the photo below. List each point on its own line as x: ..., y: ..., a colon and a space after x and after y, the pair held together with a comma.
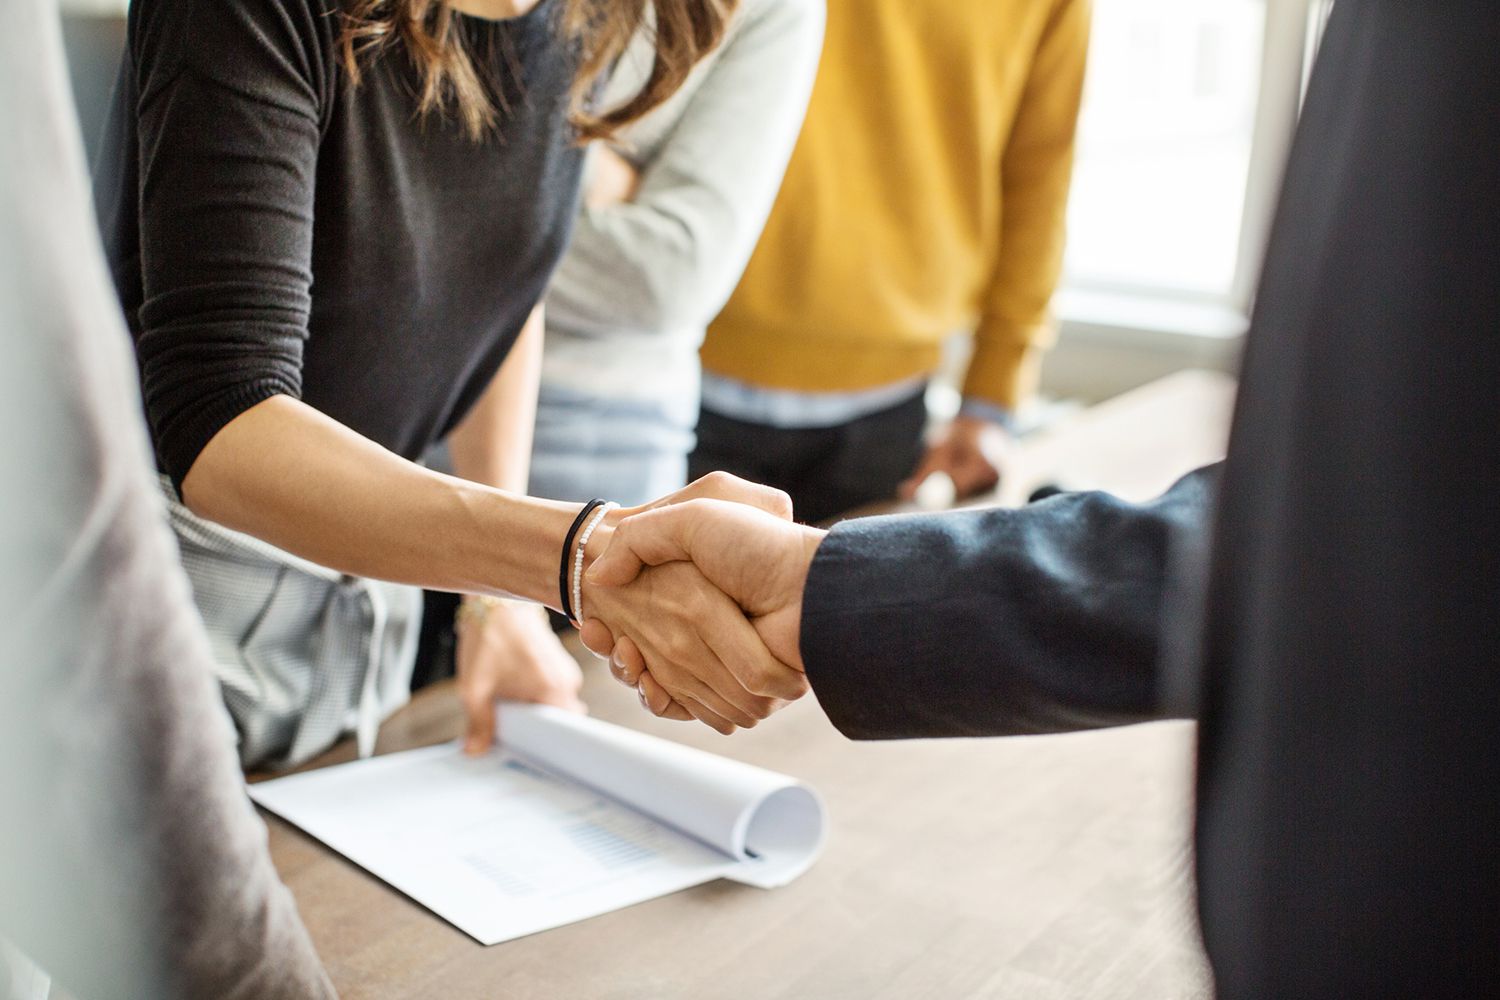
x: 1334, y: 625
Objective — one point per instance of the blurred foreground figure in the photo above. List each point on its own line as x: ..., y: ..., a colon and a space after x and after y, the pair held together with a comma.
x: 131, y: 863
x: 1336, y: 631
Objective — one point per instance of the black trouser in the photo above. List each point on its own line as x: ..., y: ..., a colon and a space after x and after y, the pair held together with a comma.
x: 827, y: 470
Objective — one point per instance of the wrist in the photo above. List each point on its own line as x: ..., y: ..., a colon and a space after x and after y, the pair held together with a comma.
x: 504, y: 545
x: 803, y: 554
x: 983, y: 411
x: 576, y: 556
x: 481, y: 611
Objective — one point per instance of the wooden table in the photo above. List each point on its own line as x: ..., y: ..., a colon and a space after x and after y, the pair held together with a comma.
x: 1039, y: 868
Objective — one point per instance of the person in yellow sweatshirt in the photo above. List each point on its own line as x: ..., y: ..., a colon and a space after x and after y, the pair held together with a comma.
x: 926, y: 196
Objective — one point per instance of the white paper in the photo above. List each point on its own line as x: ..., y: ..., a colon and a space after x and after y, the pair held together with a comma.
x: 569, y: 818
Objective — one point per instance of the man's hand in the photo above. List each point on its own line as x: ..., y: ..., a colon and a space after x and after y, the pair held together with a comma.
x: 699, y: 645
x: 714, y: 486
x: 971, y: 452
x: 510, y: 654
x: 757, y: 559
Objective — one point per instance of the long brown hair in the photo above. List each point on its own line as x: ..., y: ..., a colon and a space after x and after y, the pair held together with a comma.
x: 685, y: 31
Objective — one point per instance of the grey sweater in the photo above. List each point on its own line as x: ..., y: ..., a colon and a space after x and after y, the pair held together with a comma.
x: 131, y: 863
x: 628, y: 305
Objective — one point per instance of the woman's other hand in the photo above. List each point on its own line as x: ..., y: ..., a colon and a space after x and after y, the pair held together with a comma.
x: 507, y: 651
x: 612, y: 179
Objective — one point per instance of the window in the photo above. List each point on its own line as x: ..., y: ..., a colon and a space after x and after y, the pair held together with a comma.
x: 1187, y: 113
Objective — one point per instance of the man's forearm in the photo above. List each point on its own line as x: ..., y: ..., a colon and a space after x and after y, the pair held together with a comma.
x: 996, y: 622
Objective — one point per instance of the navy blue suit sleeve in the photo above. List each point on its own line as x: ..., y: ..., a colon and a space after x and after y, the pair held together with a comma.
x: 996, y: 622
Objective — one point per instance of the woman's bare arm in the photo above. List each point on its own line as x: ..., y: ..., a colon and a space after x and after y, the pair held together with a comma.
x: 286, y: 473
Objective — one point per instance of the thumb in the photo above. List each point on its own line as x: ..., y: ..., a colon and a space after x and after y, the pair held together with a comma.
x: 650, y: 538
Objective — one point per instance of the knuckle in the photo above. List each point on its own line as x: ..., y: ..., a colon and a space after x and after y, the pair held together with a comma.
x: 718, y: 480
x: 695, y: 604
x: 679, y: 649
x: 761, y: 680
x: 779, y: 502
x: 758, y: 679
x: 694, y: 508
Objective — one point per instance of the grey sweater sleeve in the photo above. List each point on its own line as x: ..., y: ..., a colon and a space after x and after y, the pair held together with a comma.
x: 131, y: 863
x: 997, y: 622
x: 666, y: 262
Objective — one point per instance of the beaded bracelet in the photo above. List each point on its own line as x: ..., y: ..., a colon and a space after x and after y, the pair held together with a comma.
x: 564, y: 592
x: 583, y: 542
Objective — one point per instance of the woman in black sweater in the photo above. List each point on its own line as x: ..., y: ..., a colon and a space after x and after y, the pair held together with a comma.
x: 330, y: 224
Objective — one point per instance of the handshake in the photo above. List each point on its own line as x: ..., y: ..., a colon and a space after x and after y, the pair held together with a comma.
x: 696, y: 601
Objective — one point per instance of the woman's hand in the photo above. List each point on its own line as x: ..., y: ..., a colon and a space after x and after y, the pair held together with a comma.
x: 508, y: 652
x: 699, y: 645
x: 698, y: 640
x: 612, y: 179
x: 759, y: 561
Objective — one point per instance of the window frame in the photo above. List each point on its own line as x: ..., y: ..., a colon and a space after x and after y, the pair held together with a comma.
x: 1151, y: 313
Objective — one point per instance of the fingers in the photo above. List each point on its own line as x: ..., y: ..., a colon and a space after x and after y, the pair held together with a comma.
x: 750, y: 663
x: 563, y: 696
x: 626, y: 662
x: 723, y: 486
x: 597, y: 638
x: 656, y: 536
x: 628, y: 666
x: 694, y: 671
x: 696, y: 642
x: 680, y: 666
x: 725, y: 657
x: 512, y: 654
x: 655, y: 700
x: 708, y: 717
x: 478, y: 700
x: 704, y: 700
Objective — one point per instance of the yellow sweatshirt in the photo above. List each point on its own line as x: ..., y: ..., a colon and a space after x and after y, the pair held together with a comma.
x: 926, y: 195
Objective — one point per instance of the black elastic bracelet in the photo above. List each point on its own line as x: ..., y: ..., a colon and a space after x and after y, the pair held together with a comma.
x: 563, y: 576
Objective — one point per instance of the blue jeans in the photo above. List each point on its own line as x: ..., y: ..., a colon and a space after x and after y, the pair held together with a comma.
x: 630, y: 451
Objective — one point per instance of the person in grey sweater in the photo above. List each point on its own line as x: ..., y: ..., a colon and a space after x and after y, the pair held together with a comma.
x: 131, y: 862
x: 671, y: 214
